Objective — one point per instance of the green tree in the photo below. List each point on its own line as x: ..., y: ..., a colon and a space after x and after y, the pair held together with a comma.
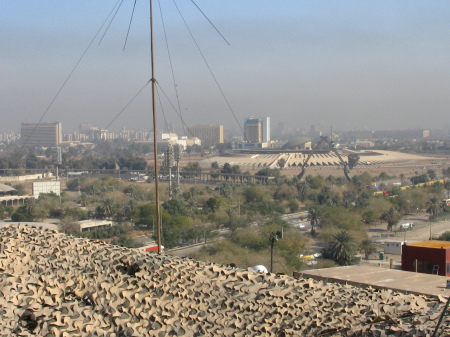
x: 432, y: 174
x: 444, y: 236
x: 402, y: 179
x: 226, y: 191
x: 342, y: 249
x: 69, y: 225
x: 20, y: 189
x: 392, y: 217
x: 21, y: 215
x: 84, y: 199
x: 175, y: 207
x: 369, y: 216
x: 447, y: 188
x: 124, y: 241
x: 418, y: 179
x: 293, y: 206
x: 313, y: 218
x: 109, y: 207
x: 281, y: 163
x: 302, y: 187
x: 254, y: 194
x: 433, y: 206
x: 31, y: 205
x: 213, y: 204
x: 367, y: 247
x: 353, y: 159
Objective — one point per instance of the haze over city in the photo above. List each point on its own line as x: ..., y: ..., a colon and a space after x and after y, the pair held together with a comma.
x: 346, y: 64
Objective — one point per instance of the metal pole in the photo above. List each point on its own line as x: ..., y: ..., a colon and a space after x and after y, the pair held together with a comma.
x: 273, y: 238
x: 155, y: 147
x: 429, y: 222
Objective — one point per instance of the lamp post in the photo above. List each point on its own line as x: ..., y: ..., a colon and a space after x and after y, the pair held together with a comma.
x: 274, y: 238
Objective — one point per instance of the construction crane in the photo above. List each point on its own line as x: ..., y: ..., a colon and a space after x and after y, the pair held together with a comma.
x: 330, y: 143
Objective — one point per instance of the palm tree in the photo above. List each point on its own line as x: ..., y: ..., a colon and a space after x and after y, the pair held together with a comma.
x: 31, y: 205
x: 367, y: 247
x: 302, y: 187
x: 108, y: 207
x: 447, y: 187
x: 433, y: 206
x: 392, y: 217
x: 93, y: 190
x: 402, y: 179
x: 84, y: 200
x: 313, y: 218
x: 130, y: 207
x: 342, y: 249
x: 132, y: 192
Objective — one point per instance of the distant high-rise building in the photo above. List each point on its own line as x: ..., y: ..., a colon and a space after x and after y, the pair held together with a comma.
x: 266, y: 130
x: 41, y: 135
x: 210, y: 135
x: 257, y: 130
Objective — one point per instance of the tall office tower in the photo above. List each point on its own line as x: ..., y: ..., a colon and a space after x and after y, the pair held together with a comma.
x: 41, y: 135
x: 253, y: 130
x: 210, y: 135
x: 266, y: 130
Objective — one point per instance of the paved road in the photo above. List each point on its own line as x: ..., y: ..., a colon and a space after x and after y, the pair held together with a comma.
x: 421, y: 231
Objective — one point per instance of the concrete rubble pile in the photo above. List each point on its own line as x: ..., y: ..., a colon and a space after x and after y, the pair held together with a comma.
x: 56, y: 285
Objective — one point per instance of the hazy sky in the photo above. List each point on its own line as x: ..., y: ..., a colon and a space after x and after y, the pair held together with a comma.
x: 347, y: 64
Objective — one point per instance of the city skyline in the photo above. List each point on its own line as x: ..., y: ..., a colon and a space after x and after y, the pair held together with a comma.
x: 351, y: 65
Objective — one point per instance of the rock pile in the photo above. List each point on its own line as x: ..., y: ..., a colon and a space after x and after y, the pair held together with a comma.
x: 55, y: 285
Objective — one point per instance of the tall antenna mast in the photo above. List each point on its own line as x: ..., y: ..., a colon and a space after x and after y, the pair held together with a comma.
x: 155, y: 147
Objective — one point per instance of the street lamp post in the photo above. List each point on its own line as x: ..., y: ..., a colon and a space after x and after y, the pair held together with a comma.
x: 274, y: 238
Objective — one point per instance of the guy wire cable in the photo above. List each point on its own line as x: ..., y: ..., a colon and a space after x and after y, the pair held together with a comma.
x: 69, y: 76
x: 170, y: 62
x: 209, y: 68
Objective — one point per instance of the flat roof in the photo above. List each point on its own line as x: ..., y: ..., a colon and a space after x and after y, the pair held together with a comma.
x: 382, y: 278
x: 431, y: 244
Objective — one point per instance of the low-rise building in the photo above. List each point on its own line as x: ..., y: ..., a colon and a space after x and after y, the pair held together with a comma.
x: 430, y: 257
x: 88, y: 225
x: 393, y: 247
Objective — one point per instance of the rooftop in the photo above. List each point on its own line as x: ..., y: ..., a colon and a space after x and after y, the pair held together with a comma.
x: 431, y: 244
x: 383, y: 278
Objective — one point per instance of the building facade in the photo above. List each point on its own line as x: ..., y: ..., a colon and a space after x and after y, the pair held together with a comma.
x: 430, y: 257
x: 257, y: 130
x: 210, y: 135
x: 253, y: 130
x: 41, y: 134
